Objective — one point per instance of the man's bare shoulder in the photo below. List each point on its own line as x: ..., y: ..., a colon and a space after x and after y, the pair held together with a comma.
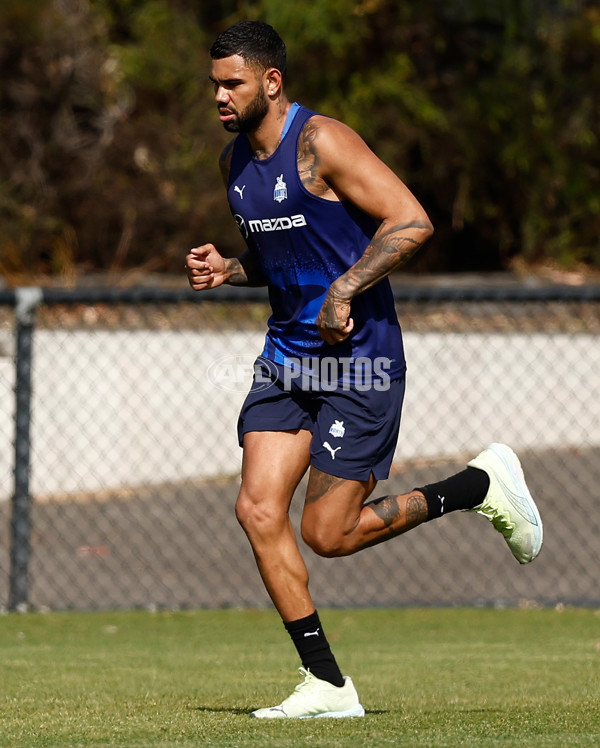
x: 327, y: 131
x: 225, y: 160
x: 325, y: 144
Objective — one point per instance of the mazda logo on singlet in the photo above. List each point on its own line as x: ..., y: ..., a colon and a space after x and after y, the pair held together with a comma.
x: 241, y: 225
x: 261, y: 225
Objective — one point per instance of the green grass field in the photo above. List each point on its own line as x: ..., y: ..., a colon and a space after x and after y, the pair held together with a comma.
x: 459, y: 677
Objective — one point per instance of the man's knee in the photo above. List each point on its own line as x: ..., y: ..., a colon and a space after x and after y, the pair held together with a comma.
x: 257, y: 516
x: 323, y: 542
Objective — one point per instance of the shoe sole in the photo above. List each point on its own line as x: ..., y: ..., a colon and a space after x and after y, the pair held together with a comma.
x: 356, y: 711
x: 521, y: 500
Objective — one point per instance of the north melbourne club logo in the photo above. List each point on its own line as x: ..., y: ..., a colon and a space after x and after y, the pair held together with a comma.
x: 337, y: 429
x: 280, y: 192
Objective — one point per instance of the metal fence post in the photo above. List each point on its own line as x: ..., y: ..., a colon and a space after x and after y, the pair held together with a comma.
x: 27, y: 300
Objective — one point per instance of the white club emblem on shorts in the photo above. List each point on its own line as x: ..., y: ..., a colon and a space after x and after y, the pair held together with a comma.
x: 337, y: 429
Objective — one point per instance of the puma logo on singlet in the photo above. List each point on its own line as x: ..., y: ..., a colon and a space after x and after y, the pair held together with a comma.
x: 330, y: 449
x: 241, y: 191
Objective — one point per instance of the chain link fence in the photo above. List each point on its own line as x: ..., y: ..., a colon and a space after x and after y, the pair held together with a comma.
x: 119, y: 465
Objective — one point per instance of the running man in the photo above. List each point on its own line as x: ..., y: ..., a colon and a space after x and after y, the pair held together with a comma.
x: 325, y: 222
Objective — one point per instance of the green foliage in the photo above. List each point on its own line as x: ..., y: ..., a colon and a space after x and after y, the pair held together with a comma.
x: 109, y: 143
x: 165, y: 47
x: 106, y: 152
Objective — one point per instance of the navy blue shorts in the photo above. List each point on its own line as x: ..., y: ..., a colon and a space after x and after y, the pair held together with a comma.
x: 354, y: 432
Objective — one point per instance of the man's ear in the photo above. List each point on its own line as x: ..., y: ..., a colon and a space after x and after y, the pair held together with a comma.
x: 273, y: 79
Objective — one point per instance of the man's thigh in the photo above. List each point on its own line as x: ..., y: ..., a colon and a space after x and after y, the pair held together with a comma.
x: 332, y: 505
x: 273, y: 464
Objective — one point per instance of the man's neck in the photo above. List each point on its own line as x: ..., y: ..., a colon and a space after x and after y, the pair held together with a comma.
x: 267, y: 136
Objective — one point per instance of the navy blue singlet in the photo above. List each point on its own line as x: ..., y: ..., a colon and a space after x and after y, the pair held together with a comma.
x: 302, y: 243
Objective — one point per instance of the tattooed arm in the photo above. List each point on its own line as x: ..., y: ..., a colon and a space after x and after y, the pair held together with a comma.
x: 207, y: 268
x: 335, y: 163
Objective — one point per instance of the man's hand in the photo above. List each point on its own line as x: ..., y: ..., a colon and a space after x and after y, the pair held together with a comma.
x: 205, y: 268
x: 334, y: 322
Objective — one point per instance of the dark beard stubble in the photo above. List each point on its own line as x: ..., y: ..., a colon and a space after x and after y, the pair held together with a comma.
x: 252, y: 116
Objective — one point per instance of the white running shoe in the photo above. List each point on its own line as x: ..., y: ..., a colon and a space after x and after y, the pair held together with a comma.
x: 316, y: 698
x: 508, y: 504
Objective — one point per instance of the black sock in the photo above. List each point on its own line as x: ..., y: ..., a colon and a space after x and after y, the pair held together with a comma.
x: 464, y: 490
x: 313, y: 648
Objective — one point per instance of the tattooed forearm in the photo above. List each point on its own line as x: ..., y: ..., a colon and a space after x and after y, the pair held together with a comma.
x: 236, y: 273
x: 390, y: 248
x: 243, y: 271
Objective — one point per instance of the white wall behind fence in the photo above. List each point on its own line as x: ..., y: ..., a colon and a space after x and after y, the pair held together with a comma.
x: 123, y: 409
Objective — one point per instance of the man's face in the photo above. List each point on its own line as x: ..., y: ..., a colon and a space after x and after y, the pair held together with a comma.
x: 239, y: 93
